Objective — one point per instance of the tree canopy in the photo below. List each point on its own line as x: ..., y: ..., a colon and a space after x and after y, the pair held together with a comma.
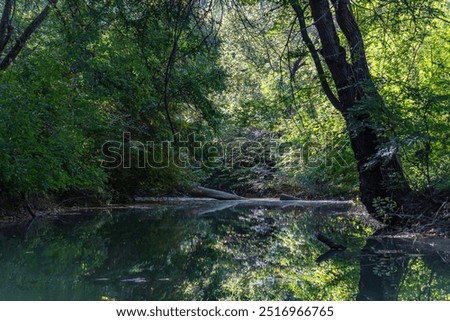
x: 116, y: 98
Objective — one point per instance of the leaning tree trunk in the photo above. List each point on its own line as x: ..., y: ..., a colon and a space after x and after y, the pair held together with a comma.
x: 357, y: 99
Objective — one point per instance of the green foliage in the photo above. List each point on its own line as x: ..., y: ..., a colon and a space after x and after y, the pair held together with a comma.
x: 384, y: 206
x: 407, y: 50
x: 88, y: 81
x: 246, y: 163
x: 155, y: 78
x: 320, y: 159
x: 47, y: 130
x: 410, y: 61
x: 94, y: 71
x: 314, y: 157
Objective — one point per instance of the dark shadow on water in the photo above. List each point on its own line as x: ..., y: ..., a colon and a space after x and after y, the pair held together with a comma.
x: 394, y: 268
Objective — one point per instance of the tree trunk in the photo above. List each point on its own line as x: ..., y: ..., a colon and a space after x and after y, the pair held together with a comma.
x: 380, y: 172
x: 376, y: 284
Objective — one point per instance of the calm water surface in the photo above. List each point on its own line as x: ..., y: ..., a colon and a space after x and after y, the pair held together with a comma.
x: 181, y: 253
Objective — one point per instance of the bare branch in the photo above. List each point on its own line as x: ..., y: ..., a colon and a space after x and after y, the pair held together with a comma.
x: 296, y: 65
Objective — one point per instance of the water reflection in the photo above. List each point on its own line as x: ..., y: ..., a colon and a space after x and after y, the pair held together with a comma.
x: 394, y: 268
x: 170, y: 253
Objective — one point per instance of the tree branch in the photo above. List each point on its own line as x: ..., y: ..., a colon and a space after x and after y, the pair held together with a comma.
x: 5, y: 23
x: 20, y: 43
x: 315, y: 56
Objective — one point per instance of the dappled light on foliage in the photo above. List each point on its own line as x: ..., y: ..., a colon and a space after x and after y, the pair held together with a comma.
x: 97, y: 91
x: 114, y: 102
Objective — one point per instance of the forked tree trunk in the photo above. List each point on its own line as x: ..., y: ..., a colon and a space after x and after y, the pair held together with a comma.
x: 357, y: 99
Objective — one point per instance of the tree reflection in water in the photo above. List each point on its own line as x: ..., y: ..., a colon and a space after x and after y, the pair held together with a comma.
x: 179, y: 253
x: 395, y: 268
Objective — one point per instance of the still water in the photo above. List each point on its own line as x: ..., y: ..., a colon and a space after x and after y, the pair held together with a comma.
x: 179, y: 253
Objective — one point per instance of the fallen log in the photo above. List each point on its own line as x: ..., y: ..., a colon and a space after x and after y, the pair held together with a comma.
x: 331, y: 253
x: 249, y: 203
x: 409, y: 246
x: 286, y: 197
x: 201, y: 191
x: 329, y: 242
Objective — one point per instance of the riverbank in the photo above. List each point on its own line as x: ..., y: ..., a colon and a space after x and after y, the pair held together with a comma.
x: 436, y: 224
x: 206, y: 199
x: 201, y: 206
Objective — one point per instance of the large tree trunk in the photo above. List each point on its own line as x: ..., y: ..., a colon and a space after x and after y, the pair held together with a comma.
x: 380, y: 172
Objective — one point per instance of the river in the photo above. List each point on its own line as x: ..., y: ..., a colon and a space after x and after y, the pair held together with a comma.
x: 181, y: 253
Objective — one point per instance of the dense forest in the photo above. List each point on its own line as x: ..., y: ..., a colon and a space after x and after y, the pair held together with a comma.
x: 102, y: 101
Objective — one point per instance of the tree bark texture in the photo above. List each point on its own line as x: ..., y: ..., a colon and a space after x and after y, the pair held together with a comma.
x: 357, y: 98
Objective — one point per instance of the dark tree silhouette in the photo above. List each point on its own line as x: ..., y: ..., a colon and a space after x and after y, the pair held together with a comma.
x: 356, y: 97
